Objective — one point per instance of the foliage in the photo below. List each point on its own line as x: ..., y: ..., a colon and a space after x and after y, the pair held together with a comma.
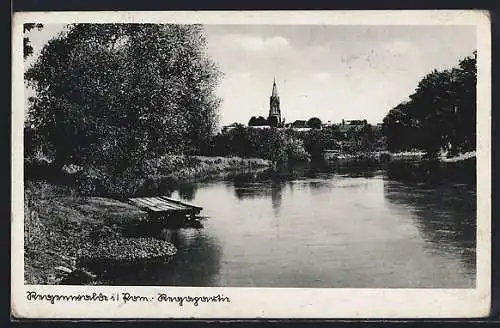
x: 440, y: 115
x: 295, y: 152
x: 28, y: 49
x: 273, y: 121
x: 314, y: 123
x: 276, y: 145
x: 281, y: 145
x: 316, y: 141
x: 258, y: 121
x: 117, y: 94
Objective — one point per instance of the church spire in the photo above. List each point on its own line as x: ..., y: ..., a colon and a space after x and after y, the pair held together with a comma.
x: 274, y: 117
x: 275, y: 89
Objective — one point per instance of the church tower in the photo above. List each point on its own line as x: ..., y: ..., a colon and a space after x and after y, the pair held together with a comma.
x: 274, y: 118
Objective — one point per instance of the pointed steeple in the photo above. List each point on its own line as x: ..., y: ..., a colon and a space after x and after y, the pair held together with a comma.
x: 275, y: 89
x: 274, y: 117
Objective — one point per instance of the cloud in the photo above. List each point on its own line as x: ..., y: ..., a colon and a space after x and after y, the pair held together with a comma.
x: 321, y: 76
x: 246, y: 76
x: 399, y: 47
x: 256, y: 43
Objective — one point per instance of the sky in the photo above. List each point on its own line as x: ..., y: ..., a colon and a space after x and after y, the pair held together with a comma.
x: 333, y: 72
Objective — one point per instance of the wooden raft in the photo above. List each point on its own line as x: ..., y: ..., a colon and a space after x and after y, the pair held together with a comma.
x: 162, y: 206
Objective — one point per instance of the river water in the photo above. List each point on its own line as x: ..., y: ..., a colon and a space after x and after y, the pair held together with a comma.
x: 323, y: 230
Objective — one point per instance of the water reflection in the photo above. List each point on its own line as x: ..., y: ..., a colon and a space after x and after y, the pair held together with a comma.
x: 445, y: 216
x: 276, y: 197
x: 197, y: 263
x: 323, y: 228
x: 187, y: 191
x: 267, y: 184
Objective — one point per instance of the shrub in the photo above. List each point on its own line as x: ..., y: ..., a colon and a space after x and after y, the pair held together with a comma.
x: 34, y: 231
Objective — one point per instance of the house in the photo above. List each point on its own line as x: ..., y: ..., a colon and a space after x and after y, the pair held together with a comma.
x: 229, y: 127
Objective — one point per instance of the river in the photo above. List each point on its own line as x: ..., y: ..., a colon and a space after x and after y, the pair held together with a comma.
x: 326, y: 230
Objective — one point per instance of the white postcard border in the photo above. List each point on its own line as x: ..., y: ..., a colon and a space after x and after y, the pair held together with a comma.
x: 265, y: 302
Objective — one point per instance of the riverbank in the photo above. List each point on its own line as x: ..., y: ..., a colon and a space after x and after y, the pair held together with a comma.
x: 63, y: 221
x: 61, y: 226
x: 382, y: 157
x: 461, y: 169
x: 202, y: 166
x: 149, y: 177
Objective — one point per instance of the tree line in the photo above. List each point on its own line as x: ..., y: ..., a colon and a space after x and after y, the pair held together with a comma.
x: 440, y: 115
x: 290, y: 144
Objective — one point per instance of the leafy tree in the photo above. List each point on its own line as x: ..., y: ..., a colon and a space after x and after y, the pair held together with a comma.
x: 257, y: 121
x: 440, y: 115
x: 314, y: 123
x: 115, y: 94
x: 261, y: 121
x: 273, y: 121
x: 28, y: 49
x: 273, y: 147
x: 367, y: 137
x: 394, y: 126
x: 295, y: 152
x: 316, y: 141
x: 240, y: 141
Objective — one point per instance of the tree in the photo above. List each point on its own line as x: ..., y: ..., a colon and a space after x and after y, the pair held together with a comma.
x: 240, y: 141
x: 261, y: 121
x: 28, y: 49
x: 252, y: 121
x: 273, y: 121
x: 395, y: 126
x: 274, y: 147
x: 316, y: 141
x: 367, y: 137
x: 115, y: 94
x: 314, y: 123
x: 295, y: 152
x: 440, y: 115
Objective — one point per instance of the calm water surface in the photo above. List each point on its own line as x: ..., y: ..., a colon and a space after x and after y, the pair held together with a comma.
x: 326, y: 230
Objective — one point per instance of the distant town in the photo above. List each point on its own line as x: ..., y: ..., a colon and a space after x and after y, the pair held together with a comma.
x: 275, y: 119
x: 346, y: 136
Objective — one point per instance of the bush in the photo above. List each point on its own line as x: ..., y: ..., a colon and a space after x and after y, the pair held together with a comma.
x: 34, y: 231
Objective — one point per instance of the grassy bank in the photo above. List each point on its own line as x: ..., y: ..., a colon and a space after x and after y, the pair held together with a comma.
x: 183, y: 169
x: 151, y: 176
x: 60, y: 225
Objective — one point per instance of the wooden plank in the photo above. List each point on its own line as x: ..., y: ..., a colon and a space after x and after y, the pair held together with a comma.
x: 151, y: 204
x: 144, y: 203
x: 170, y: 203
x: 154, y: 205
x: 139, y: 203
x: 164, y: 203
x: 181, y: 202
